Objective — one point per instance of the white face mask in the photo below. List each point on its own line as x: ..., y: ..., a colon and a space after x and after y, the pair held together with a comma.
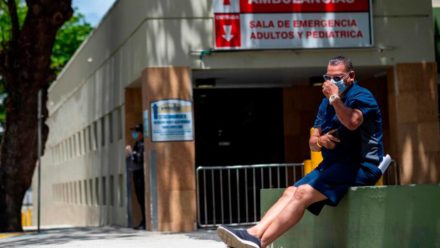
x: 341, y: 85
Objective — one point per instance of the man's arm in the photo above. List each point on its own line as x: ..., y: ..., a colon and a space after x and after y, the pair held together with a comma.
x: 313, y: 141
x: 317, y: 140
x: 350, y: 118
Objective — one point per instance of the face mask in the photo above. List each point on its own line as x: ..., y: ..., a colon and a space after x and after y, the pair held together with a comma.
x: 134, y: 135
x: 340, y: 84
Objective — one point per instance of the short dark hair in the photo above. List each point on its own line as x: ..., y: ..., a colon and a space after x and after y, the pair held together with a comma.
x: 138, y: 128
x: 342, y: 60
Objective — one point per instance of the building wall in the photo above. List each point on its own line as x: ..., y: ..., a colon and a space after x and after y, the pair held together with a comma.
x: 86, y: 103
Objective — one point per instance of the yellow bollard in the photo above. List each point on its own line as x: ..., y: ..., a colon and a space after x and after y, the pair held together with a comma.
x: 316, y: 159
x: 29, y: 217
x: 315, y: 156
x: 23, y: 219
x: 307, y: 166
x: 380, y: 181
x: 26, y: 217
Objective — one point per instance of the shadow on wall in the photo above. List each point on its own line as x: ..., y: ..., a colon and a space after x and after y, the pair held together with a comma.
x: 416, y: 130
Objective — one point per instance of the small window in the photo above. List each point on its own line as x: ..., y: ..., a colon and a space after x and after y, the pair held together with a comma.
x: 95, y: 135
x: 71, y: 147
x: 86, y: 193
x: 112, y: 189
x: 104, y: 191
x: 85, y: 140
x: 91, y: 191
x: 75, y: 193
x: 103, y: 131
x: 64, y: 193
x: 80, y: 144
x: 97, y: 195
x: 75, y: 146
x: 119, y: 121
x: 110, y: 129
x: 90, y: 136
x: 121, y: 190
x: 80, y: 193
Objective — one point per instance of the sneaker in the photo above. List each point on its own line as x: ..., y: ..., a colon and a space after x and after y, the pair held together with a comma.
x: 237, y: 238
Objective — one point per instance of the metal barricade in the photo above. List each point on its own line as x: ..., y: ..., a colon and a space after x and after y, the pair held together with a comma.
x: 230, y: 194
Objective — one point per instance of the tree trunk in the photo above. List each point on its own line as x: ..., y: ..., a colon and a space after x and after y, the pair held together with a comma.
x: 25, y: 65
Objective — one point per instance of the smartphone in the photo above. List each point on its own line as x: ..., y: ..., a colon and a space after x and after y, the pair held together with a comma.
x: 334, y: 133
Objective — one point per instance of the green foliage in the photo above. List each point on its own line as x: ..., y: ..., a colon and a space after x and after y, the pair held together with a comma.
x: 5, y: 21
x: 68, y: 39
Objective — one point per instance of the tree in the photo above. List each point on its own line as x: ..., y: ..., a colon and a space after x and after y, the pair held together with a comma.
x: 68, y: 39
x: 25, y: 61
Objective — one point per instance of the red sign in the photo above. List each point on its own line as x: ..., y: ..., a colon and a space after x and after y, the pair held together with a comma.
x: 291, y: 24
x: 295, y: 6
x: 227, y: 30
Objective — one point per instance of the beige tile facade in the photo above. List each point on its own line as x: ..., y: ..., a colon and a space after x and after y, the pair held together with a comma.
x: 175, y: 161
x: 415, y: 137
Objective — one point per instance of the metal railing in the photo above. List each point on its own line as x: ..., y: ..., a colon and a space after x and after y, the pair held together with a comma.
x: 231, y: 194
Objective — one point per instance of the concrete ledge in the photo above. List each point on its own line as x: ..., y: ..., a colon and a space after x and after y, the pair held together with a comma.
x: 385, y: 216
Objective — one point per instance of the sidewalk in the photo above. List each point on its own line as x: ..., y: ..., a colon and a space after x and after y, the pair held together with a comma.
x: 110, y: 237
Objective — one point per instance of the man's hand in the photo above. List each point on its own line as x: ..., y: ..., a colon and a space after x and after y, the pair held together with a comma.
x: 128, y: 151
x: 329, y: 88
x: 328, y: 140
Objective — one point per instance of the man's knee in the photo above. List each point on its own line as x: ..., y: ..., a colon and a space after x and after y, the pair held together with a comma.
x: 302, y: 193
x: 289, y: 192
x: 307, y: 195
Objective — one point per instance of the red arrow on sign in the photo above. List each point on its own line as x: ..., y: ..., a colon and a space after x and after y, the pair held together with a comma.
x: 227, y: 30
x: 226, y: 2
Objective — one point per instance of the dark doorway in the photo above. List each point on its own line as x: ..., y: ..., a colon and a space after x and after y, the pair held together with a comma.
x: 238, y: 126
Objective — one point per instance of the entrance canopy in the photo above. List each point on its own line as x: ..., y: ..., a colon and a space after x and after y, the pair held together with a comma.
x: 272, y: 77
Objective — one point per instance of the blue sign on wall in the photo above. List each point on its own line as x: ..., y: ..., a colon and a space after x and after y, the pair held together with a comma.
x: 171, y: 120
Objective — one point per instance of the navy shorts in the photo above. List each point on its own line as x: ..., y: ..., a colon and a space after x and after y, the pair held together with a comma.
x: 334, y: 179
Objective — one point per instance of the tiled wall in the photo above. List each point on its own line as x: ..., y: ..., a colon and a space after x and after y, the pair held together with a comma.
x: 174, y: 161
x: 414, y: 121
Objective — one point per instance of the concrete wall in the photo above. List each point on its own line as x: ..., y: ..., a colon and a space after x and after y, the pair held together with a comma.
x: 85, y: 150
x: 393, y: 216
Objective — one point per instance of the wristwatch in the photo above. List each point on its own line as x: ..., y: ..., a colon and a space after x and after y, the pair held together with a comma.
x: 333, y: 98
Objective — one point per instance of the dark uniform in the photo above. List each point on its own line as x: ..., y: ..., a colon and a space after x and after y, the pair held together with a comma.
x: 137, y: 159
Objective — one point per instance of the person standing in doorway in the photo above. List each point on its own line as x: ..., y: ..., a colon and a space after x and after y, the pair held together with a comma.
x: 135, y: 156
x: 348, y: 132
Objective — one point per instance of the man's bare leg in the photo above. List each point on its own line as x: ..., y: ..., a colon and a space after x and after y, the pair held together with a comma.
x: 304, y: 196
x: 272, y: 213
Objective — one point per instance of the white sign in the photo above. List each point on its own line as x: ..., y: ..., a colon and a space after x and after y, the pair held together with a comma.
x: 290, y: 24
x: 171, y: 120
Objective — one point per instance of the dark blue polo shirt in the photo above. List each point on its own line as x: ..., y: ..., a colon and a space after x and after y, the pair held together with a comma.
x: 363, y: 145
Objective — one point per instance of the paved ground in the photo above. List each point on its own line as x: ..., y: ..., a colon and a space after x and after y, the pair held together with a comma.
x: 109, y: 237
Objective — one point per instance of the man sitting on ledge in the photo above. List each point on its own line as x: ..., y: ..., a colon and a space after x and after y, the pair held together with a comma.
x: 348, y: 131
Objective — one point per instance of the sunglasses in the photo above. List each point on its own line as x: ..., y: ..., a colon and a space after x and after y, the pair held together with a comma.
x: 336, y: 78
